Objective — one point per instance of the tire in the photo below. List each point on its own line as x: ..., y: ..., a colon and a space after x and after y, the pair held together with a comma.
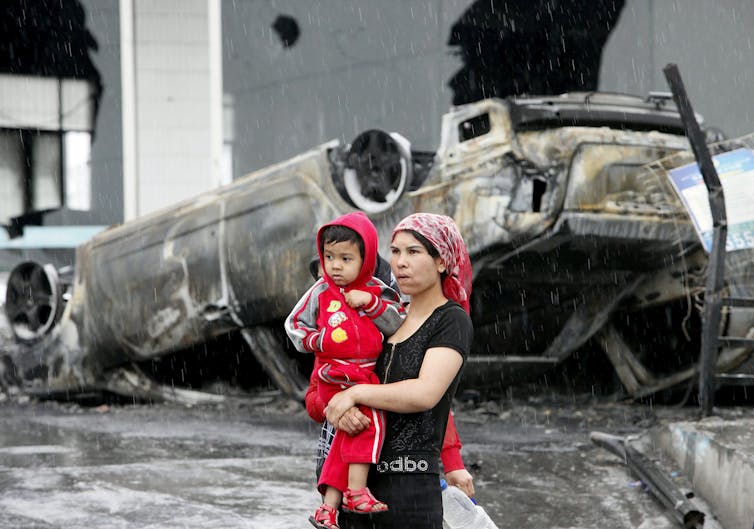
x: 33, y: 300
x: 378, y: 170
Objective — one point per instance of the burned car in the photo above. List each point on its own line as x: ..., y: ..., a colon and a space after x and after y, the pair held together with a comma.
x: 576, y: 238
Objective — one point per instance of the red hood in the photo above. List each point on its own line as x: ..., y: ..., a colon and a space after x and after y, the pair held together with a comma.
x: 361, y: 224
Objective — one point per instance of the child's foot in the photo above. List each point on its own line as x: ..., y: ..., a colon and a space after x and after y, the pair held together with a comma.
x: 362, y: 502
x: 325, y: 517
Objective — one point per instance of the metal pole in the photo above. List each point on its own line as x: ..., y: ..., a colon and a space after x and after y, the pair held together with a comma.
x: 61, y: 146
x: 659, y: 485
x: 716, y: 263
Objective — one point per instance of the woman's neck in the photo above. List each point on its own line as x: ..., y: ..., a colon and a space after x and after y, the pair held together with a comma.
x: 419, y: 310
x: 425, y: 303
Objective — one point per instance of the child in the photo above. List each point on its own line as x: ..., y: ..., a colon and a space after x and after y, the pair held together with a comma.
x: 341, y: 319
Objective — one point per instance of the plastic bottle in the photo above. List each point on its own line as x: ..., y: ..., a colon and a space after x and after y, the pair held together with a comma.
x: 462, y: 512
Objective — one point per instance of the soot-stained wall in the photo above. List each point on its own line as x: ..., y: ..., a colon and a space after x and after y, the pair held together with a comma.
x: 514, y: 47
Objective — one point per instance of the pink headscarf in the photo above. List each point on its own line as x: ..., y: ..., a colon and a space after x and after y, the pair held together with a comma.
x: 443, y: 233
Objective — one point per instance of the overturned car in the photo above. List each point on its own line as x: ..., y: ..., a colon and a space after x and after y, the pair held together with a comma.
x: 575, y: 233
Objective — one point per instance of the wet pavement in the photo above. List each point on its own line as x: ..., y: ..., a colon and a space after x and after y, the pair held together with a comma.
x: 62, y: 466
x: 250, y: 464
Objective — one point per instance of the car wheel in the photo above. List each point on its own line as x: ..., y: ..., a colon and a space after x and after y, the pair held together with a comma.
x: 378, y: 168
x: 33, y: 300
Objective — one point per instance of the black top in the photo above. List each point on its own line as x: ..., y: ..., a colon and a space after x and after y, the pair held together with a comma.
x: 423, y: 432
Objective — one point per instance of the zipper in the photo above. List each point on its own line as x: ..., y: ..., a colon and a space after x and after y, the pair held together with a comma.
x: 355, y: 323
x: 389, y: 363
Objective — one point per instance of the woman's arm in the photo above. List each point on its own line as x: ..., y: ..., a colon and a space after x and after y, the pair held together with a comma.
x: 438, y: 369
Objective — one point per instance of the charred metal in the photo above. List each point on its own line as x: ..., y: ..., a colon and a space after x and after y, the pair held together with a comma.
x: 575, y: 233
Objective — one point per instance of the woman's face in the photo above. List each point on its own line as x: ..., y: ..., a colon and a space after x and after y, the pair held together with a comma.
x: 415, y: 270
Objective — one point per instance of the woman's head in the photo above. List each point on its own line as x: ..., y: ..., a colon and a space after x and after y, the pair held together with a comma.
x: 434, y: 242
x: 431, y: 250
x: 415, y: 263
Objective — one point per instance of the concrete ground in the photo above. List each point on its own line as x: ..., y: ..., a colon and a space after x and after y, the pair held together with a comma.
x: 250, y: 463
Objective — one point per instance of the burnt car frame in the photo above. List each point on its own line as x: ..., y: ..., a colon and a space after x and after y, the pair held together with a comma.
x: 575, y: 233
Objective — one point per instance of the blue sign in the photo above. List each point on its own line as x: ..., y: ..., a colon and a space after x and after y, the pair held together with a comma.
x: 736, y: 172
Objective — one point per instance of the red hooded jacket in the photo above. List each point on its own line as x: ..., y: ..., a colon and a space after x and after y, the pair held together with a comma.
x: 323, y: 323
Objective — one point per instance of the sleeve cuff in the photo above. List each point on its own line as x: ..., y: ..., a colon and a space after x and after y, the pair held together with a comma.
x: 451, y: 459
x: 372, y: 310
x: 312, y: 342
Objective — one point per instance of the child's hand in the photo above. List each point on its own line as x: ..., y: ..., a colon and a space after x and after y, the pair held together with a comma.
x: 358, y: 298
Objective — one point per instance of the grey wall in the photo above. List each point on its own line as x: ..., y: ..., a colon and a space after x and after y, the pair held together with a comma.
x: 103, y: 22
x: 363, y: 64
x: 107, y: 155
x: 711, y: 42
x: 356, y: 65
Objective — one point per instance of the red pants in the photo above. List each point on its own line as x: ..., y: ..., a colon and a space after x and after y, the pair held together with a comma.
x: 363, y: 447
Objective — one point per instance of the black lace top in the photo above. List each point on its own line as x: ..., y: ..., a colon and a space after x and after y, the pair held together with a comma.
x: 423, y: 432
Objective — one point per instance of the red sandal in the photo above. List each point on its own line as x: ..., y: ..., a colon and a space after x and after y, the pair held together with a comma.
x: 362, y: 502
x: 325, y: 517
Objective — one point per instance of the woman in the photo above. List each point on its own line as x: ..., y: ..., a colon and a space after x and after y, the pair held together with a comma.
x: 419, y: 369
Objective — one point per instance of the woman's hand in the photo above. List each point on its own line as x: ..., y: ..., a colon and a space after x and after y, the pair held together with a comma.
x: 462, y: 479
x: 339, y: 405
x: 353, y: 421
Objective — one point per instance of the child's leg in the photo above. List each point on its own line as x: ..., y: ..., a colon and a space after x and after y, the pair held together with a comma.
x: 357, y: 497
x: 335, y: 470
x: 357, y: 475
x: 360, y: 448
x: 326, y: 515
x: 333, y: 496
x: 365, y: 447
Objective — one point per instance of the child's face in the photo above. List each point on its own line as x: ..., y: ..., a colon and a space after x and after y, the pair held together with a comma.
x: 342, y: 262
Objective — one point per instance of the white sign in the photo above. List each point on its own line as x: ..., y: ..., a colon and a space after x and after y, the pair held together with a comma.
x: 736, y: 172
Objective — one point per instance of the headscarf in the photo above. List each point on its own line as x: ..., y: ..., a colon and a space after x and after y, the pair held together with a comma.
x: 442, y: 232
